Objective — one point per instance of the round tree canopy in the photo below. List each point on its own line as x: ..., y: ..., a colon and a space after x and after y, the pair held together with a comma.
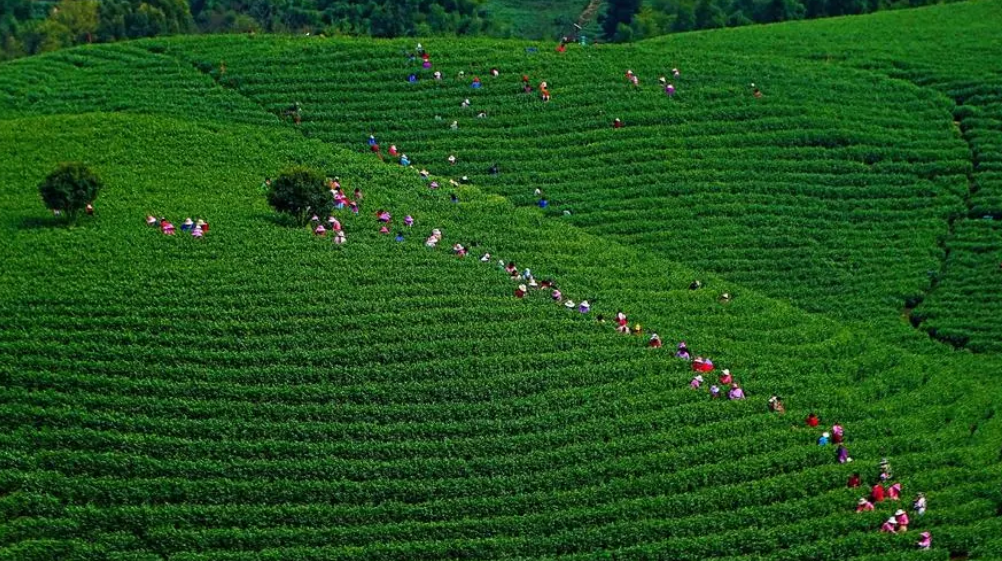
x: 70, y: 188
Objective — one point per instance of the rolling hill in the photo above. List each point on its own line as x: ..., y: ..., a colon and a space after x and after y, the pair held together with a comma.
x: 263, y: 394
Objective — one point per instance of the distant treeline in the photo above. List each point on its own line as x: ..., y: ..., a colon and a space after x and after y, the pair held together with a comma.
x: 630, y: 20
x: 34, y: 26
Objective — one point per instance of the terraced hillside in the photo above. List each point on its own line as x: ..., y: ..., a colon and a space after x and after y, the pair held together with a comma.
x: 962, y: 305
x: 832, y: 191
x: 261, y: 394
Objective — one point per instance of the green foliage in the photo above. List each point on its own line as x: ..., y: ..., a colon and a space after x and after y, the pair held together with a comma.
x: 25, y: 30
x: 784, y: 10
x: 709, y: 15
x: 69, y: 189
x: 618, y: 13
x: 256, y: 395
x: 80, y: 17
x: 130, y: 19
x: 299, y: 192
x: 378, y: 18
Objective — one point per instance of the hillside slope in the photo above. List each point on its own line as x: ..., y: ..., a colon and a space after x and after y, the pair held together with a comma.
x: 832, y: 191
x: 260, y: 394
x: 956, y: 52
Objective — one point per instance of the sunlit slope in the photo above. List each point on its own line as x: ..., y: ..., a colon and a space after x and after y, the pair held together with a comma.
x: 118, y: 78
x: 261, y: 395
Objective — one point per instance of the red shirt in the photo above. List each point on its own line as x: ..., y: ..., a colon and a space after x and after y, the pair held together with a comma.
x: 878, y: 493
x: 812, y: 421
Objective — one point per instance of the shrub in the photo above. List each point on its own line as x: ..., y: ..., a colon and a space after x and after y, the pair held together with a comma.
x: 69, y: 189
x: 298, y: 192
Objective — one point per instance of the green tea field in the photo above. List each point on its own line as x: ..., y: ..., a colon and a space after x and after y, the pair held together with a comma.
x: 263, y: 393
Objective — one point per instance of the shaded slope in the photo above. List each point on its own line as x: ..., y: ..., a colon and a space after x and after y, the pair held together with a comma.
x: 955, y: 52
x: 966, y: 306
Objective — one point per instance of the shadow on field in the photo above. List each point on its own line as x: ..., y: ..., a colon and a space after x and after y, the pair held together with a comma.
x: 276, y: 219
x: 36, y: 223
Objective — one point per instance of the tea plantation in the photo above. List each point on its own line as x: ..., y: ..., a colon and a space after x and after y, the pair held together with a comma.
x: 264, y: 394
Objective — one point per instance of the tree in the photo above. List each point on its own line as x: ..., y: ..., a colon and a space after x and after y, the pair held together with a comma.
x: 749, y: 9
x: 650, y: 22
x: 299, y: 192
x: 737, y: 19
x: 54, y: 36
x: 708, y: 15
x: 80, y: 17
x: 69, y: 189
x: 684, y: 19
x: 815, y: 9
x: 783, y: 10
x: 624, y: 34
x: 619, y: 11
x: 845, y: 7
